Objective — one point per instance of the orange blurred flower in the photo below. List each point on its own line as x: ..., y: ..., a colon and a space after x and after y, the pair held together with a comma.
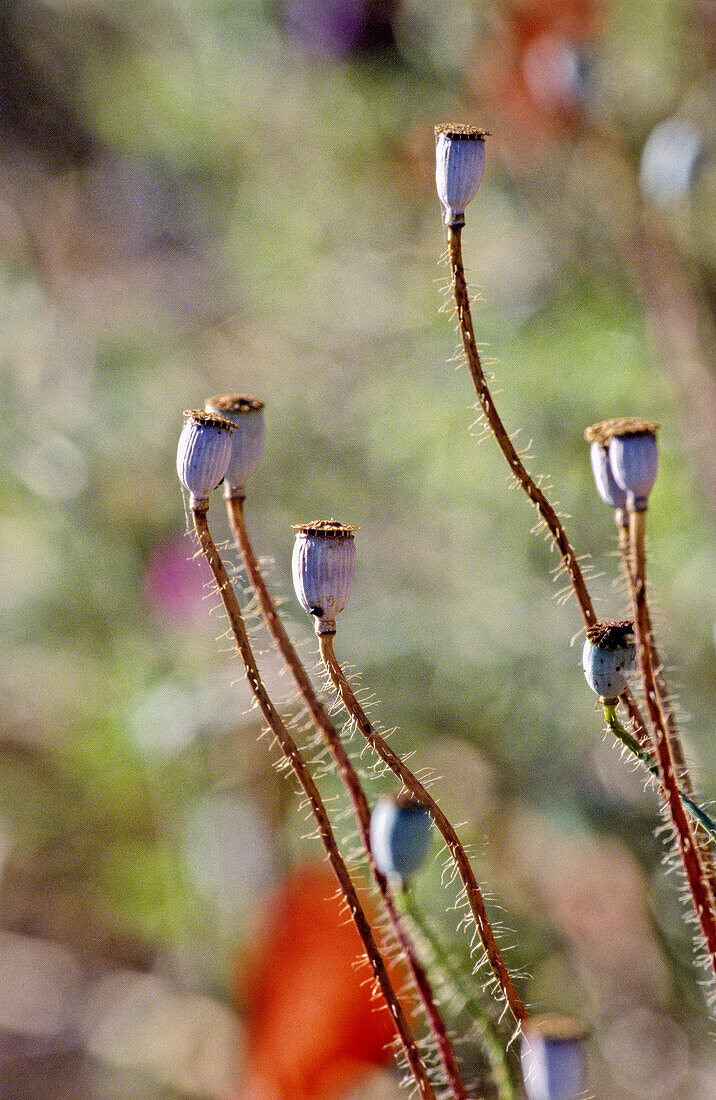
x: 315, y: 1027
x: 531, y: 71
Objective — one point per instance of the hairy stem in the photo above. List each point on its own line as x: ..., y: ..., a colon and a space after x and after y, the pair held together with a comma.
x: 695, y: 876
x: 672, y: 729
x: 345, y: 769
x: 305, y: 779
x: 630, y: 742
x: 451, y: 975
x: 457, y: 852
x: 534, y: 493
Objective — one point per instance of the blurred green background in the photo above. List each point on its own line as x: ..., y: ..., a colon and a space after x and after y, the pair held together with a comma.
x: 199, y: 197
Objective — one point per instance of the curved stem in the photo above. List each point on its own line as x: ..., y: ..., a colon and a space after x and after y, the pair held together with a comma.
x: 352, y: 784
x: 695, y: 877
x: 534, y: 493
x: 492, y: 1042
x: 291, y: 752
x: 484, y: 397
x: 457, y: 852
x: 630, y: 742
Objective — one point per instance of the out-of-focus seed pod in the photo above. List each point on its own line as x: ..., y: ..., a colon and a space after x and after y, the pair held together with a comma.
x: 459, y: 164
x: 400, y: 835
x: 323, y: 566
x: 670, y: 161
x: 554, y: 1064
x: 611, y: 493
x: 247, y: 439
x: 633, y: 455
x: 608, y: 658
x: 203, y: 455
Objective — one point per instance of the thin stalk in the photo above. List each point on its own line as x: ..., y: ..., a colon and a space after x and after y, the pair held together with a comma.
x: 305, y: 779
x: 672, y: 729
x: 695, y: 877
x: 484, y: 397
x: 534, y: 493
x: 345, y: 769
x: 630, y: 742
x: 455, y: 848
x: 491, y: 1040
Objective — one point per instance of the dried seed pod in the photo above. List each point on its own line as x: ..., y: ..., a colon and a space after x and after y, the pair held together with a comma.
x: 459, y: 164
x: 323, y: 566
x: 633, y: 455
x: 203, y: 454
x: 400, y: 835
x: 554, y: 1064
x: 608, y: 658
x: 247, y: 439
x: 611, y: 493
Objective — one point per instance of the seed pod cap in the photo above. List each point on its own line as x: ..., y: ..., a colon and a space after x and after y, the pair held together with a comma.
x: 323, y: 566
x: 247, y: 440
x: 459, y: 164
x: 203, y: 454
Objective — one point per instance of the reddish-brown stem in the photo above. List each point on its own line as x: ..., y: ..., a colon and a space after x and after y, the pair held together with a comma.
x: 534, y: 493
x: 484, y: 397
x: 344, y: 767
x: 672, y: 729
x: 457, y: 852
x: 698, y: 887
x: 305, y: 779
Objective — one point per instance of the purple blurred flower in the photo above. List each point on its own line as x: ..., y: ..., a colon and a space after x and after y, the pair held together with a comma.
x: 175, y: 582
x: 339, y: 29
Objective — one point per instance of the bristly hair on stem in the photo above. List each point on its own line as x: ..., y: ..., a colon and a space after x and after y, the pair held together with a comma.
x: 696, y: 877
x: 445, y: 828
x: 295, y: 760
x: 348, y: 775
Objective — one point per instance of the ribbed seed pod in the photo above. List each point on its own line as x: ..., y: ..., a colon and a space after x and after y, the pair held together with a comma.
x: 324, y: 557
x: 400, y: 835
x: 247, y: 439
x: 633, y: 455
x: 611, y: 493
x: 554, y: 1064
x: 608, y: 658
x: 203, y: 454
x: 459, y: 164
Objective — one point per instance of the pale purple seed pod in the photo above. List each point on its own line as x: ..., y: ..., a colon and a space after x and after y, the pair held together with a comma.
x: 633, y: 455
x: 247, y: 439
x: 611, y: 493
x: 609, y: 658
x: 324, y: 557
x: 459, y: 164
x: 554, y: 1063
x: 635, y: 463
x: 203, y: 455
x: 400, y: 835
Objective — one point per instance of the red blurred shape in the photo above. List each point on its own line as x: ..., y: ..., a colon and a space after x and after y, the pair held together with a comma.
x: 315, y: 1027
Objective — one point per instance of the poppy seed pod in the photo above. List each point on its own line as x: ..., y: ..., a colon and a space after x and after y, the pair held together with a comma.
x: 247, y: 439
x: 400, y: 835
x: 608, y: 658
x: 324, y: 557
x: 554, y: 1064
x: 203, y: 454
x: 633, y: 455
x: 611, y: 493
x: 459, y: 163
